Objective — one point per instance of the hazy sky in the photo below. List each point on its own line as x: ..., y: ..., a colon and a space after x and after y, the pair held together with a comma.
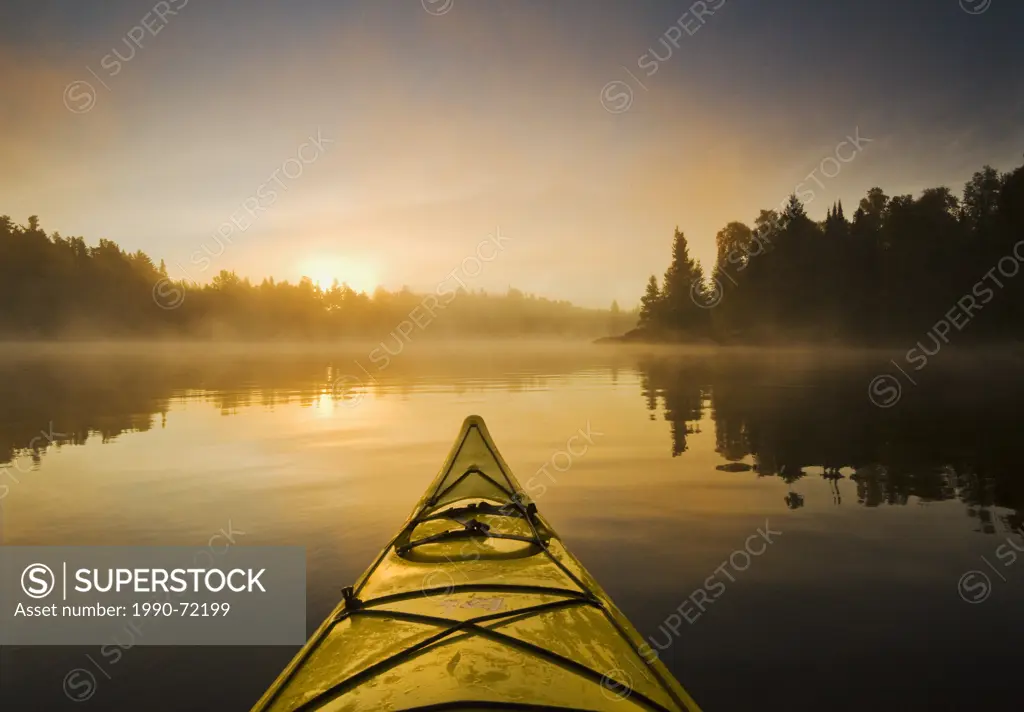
x: 449, y: 119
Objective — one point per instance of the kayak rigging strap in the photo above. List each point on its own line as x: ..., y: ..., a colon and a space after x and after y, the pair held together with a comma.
x: 506, y: 510
x: 471, y: 626
x: 445, y: 502
x: 473, y: 528
x: 528, y: 513
x: 435, y: 498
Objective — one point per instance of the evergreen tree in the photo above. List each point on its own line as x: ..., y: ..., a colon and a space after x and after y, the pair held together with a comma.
x: 981, y: 201
x: 794, y: 211
x: 682, y: 277
x: 871, y: 279
x: 650, y: 305
x: 614, y: 318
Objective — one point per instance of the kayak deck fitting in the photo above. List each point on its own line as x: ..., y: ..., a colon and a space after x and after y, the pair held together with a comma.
x: 475, y: 605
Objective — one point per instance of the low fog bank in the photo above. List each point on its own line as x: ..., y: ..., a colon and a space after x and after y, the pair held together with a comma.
x: 391, y: 349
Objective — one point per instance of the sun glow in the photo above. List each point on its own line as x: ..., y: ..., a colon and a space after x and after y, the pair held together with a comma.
x: 357, y: 275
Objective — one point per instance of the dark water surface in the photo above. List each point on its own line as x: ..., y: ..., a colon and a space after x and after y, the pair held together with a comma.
x: 865, y: 599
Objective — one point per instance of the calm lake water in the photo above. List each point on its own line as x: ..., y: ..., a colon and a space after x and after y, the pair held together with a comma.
x: 859, y: 602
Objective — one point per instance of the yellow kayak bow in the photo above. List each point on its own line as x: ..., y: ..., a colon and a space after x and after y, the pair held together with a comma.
x: 476, y: 604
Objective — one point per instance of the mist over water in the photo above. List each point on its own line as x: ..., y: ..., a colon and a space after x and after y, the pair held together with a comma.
x: 882, y: 509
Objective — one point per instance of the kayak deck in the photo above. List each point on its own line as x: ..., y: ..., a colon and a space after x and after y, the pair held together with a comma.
x: 475, y: 604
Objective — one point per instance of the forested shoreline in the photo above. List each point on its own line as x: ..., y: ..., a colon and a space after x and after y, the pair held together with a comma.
x: 52, y: 287
x: 900, y: 270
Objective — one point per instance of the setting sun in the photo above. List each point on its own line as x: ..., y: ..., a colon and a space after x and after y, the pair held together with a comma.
x: 357, y: 275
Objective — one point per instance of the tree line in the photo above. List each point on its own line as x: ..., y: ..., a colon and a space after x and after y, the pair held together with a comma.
x: 57, y: 287
x: 900, y: 268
